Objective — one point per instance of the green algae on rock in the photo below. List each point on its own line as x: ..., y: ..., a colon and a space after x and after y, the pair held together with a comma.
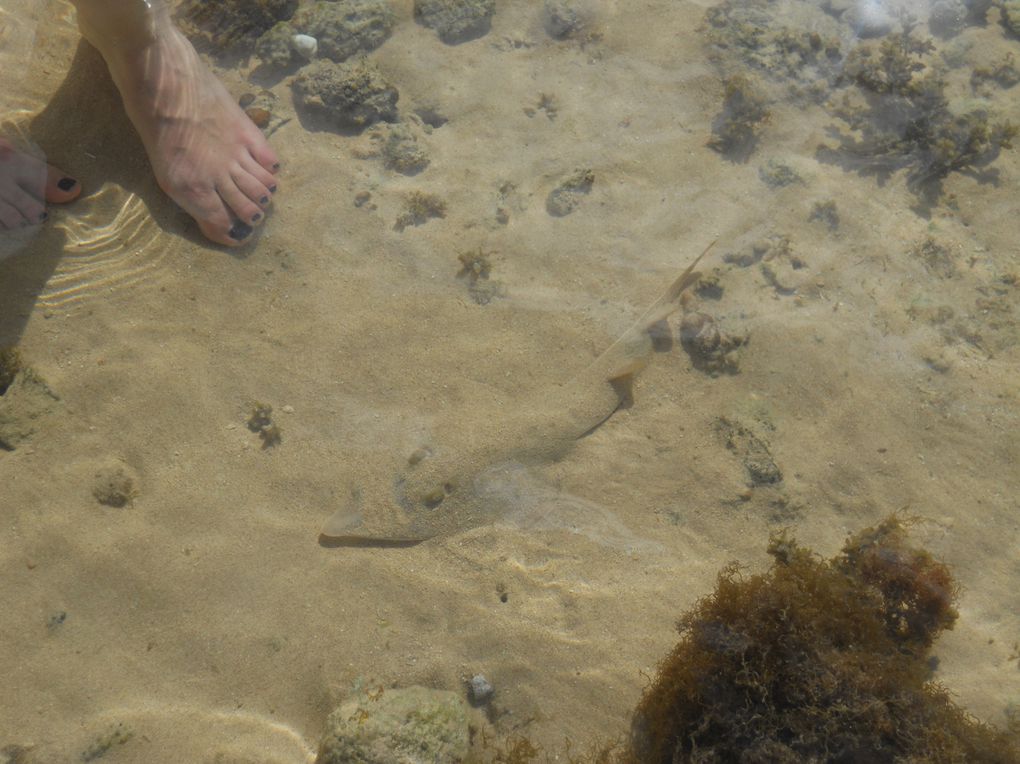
x: 744, y: 111
x: 414, y: 725
x: 25, y: 400
x: 10, y: 365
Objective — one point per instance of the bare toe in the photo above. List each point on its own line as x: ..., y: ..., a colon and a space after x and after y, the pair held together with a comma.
x: 262, y: 153
x: 10, y: 218
x: 60, y: 187
x: 260, y: 173
x: 240, y: 204
x: 208, y: 209
x: 28, y: 205
x: 251, y: 188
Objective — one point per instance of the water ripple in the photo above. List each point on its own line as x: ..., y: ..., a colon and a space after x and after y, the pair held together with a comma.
x: 113, y: 246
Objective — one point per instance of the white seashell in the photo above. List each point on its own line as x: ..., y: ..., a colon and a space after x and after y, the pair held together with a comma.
x: 304, y: 45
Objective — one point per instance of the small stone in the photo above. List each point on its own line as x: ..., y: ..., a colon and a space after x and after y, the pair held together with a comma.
x: 305, y: 46
x: 258, y: 115
x: 480, y: 691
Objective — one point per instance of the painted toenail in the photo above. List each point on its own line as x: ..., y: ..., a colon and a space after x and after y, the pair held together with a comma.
x: 276, y: 166
x: 43, y: 216
x: 66, y: 184
x: 239, y: 231
x: 255, y: 218
x: 272, y: 189
x: 264, y: 200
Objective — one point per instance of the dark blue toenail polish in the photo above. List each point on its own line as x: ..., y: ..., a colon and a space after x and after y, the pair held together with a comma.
x: 239, y: 231
x: 66, y: 184
x: 272, y: 189
x: 256, y: 217
x: 264, y: 200
x: 43, y: 216
x: 276, y: 166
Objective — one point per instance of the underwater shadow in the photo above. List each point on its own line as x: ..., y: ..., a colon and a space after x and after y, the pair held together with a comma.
x: 352, y: 542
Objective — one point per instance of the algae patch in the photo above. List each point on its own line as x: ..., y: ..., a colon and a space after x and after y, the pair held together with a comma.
x: 25, y: 400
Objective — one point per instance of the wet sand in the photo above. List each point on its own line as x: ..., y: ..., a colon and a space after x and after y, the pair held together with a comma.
x: 206, y: 605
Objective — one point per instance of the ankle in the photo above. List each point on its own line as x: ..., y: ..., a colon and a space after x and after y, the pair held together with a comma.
x: 122, y: 32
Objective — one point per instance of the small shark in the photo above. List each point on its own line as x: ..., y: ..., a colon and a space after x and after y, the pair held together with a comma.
x: 437, y: 493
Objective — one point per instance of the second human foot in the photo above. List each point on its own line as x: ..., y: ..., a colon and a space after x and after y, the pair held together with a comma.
x: 26, y: 185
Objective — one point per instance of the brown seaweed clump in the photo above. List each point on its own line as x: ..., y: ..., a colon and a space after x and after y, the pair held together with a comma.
x: 899, y: 116
x: 815, y: 660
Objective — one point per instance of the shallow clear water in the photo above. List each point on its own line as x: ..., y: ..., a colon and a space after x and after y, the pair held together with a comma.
x: 850, y: 351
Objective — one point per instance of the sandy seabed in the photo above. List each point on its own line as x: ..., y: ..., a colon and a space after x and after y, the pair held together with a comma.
x: 206, y: 616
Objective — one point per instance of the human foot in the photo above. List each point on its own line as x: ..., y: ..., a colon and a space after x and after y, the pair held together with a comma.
x: 205, y: 152
x: 26, y: 185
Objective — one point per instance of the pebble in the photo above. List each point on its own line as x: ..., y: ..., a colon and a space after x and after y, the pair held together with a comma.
x: 305, y: 45
x: 479, y: 690
x: 259, y: 116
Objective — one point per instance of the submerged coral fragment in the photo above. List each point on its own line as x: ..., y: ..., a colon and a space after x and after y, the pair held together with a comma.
x: 419, y: 208
x: 567, y: 195
x: 402, y: 153
x: 348, y: 95
x: 456, y: 21
x: 232, y: 25
x: 261, y: 422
